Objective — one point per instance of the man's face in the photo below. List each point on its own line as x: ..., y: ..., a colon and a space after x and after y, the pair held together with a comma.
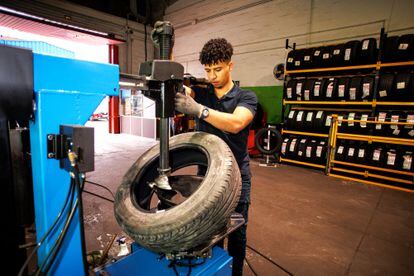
x: 219, y: 73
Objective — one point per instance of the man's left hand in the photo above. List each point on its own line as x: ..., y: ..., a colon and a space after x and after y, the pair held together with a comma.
x: 187, y: 105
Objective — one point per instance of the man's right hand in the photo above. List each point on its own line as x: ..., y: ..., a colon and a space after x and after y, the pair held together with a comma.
x: 187, y: 105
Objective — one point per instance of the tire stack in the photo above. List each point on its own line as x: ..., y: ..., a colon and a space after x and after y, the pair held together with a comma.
x: 306, y: 149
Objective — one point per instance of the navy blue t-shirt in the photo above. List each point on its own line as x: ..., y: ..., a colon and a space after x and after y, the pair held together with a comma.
x: 228, y: 103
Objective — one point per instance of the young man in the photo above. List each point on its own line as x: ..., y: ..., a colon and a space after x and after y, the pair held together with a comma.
x: 224, y: 109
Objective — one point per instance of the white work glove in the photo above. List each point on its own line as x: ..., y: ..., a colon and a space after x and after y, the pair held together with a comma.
x: 187, y: 105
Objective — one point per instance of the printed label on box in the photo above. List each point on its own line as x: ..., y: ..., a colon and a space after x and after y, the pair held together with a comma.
x: 376, y: 155
x: 403, y: 46
x: 391, y: 158
x: 364, y: 118
x: 401, y: 85
x: 319, y: 114
x: 347, y: 54
x: 410, y: 119
x: 309, y: 152
x: 341, y: 90
x: 365, y: 90
x: 351, y: 118
x: 306, y: 96
x: 328, y: 120
x: 365, y: 45
x: 309, y: 116
x: 329, y: 90
x: 407, y: 162
x: 316, y: 90
x: 394, y: 119
x: 292, y: 145
x: 319, y: 151
x: 299, y: 116
x: 352, y: 93
x: 299, y: 88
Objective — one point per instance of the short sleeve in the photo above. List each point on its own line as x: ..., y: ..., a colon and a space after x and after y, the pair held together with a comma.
x: 199, y: 94
x: 248, y: 99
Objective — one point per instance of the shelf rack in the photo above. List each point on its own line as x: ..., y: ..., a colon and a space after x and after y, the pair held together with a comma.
x: 334, y: 167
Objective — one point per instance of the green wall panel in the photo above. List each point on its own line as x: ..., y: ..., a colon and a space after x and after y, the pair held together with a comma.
x: 270, y: 97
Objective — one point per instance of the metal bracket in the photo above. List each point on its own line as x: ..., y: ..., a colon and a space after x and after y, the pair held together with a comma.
x: 57, y: 146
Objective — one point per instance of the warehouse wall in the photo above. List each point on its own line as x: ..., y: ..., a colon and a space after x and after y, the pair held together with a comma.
x: 258, y: 29
x: 131, y: 53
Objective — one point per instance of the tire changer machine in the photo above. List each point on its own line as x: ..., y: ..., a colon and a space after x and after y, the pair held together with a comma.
x: 45, y: 151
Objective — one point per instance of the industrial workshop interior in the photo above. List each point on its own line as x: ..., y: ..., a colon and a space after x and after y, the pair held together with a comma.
x: 201, y: 137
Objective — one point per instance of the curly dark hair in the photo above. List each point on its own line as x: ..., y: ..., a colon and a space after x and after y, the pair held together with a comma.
x: 216, y: 50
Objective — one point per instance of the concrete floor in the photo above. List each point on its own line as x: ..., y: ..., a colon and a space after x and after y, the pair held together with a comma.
x: 304, y: 221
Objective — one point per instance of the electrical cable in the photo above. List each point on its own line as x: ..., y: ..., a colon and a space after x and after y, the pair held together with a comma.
x: 102, y: 186
x: 270, y: 260
x: 38, y: 244
x: 251, y: 268
x: 105, y: 198
x: 56, y: 246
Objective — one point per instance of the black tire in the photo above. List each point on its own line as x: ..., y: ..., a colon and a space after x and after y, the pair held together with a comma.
x: 275, y: 140
x: 208, y: 202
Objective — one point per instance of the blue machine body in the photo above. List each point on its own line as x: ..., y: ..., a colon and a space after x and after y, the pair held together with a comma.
x: 67, y: 91
x: 144, y: 262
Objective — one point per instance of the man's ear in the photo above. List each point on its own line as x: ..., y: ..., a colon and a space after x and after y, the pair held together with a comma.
x: 231, y: 65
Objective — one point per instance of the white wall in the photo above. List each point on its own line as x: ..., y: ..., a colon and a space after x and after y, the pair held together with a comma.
x: 257, y: 29
x: 131, y: 53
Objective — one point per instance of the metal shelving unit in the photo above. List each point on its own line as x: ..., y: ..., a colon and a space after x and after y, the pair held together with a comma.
x: 356, y: 172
